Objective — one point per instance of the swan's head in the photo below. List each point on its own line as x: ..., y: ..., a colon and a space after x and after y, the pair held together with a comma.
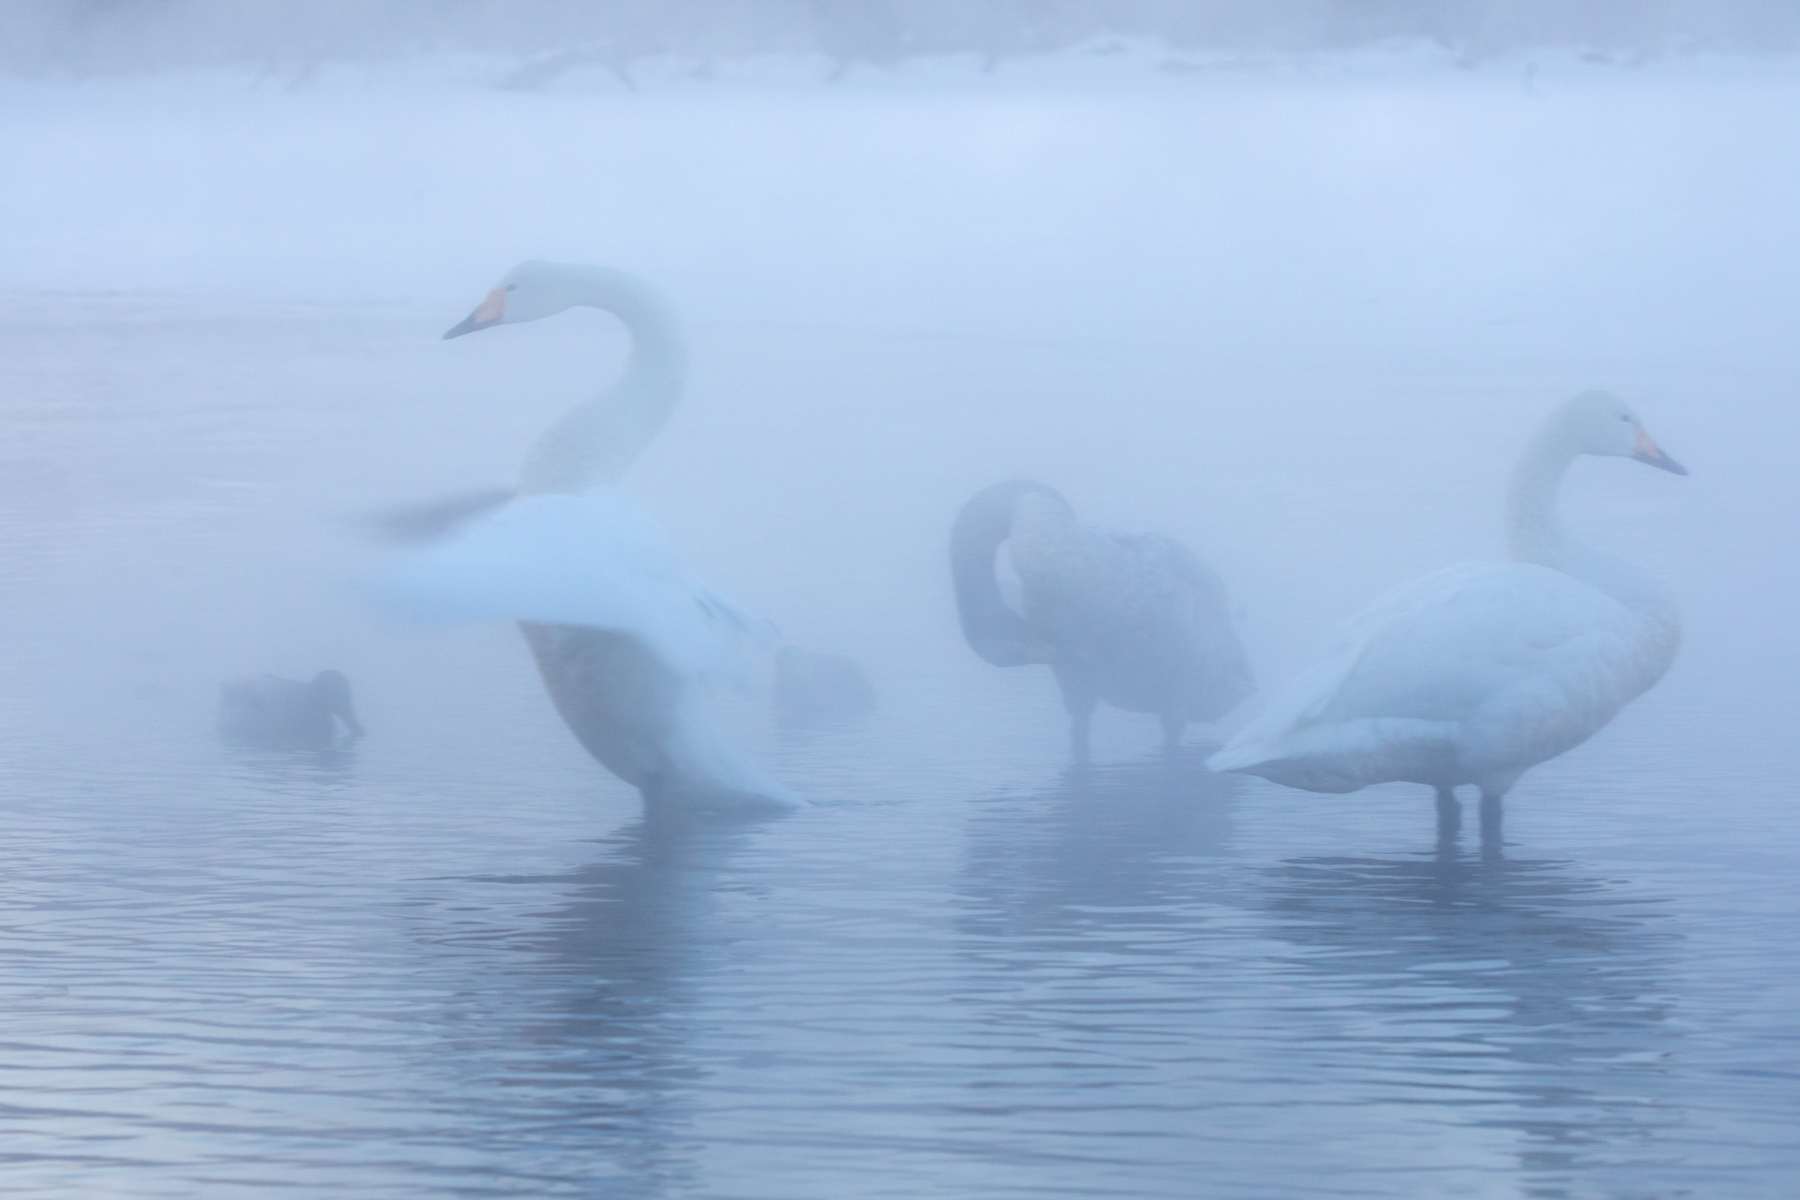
x: 332, y: 691
x: 530, y: 291
x: 1603, y: 424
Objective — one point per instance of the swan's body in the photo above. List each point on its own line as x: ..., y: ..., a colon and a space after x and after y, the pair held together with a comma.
x: 1475, y: 673
x: 624, y: 637
x: 1138, y: 622
x: 284, y: 714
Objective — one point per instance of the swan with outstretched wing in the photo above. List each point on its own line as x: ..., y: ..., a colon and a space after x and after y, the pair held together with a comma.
x: 627, y: 640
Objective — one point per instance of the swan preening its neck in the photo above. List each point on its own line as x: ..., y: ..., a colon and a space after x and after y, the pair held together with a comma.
x: 993, y: 630
x: 1591, y: 423
x: 594, y: 443
x: 1136, y: 621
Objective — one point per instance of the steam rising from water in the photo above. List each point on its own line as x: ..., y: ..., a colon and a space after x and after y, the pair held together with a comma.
x: 1301, y: 317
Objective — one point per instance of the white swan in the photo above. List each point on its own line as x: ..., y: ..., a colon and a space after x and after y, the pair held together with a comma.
x: 625, y: 638
x: 1139, y: 622
x: 1475, y: 673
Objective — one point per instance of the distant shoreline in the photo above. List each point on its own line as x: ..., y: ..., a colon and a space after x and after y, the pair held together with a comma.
x: 542, y: 42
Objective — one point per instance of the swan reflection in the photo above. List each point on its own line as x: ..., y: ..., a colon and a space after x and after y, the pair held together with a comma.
x: 588, y: 1023
x: 295, y: 773
x: 1522, y: 994
x: 1119, y: 844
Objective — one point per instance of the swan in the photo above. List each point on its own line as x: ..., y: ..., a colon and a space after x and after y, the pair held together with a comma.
x: 1138, y: 622
x: 1475, y: 673
x: 625, y: 637
x: 284, y: 714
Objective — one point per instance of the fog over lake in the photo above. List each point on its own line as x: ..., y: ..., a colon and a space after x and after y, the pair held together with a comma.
x: 1299, y: 308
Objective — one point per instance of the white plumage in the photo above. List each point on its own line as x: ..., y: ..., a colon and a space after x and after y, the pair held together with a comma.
x: 1475, y: 673
x: 597, y: 560
x: 627, y: 640
x: 1466, y: 675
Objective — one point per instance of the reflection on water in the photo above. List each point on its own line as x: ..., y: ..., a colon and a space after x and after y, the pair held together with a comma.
x: 277, y: 770
x: 600, y: 1013
x: 1519, y: 993
x: 1115, y: 844
x: 423, y: 967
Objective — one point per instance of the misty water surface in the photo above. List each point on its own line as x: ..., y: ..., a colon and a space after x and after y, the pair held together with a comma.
x: 1302, y: 319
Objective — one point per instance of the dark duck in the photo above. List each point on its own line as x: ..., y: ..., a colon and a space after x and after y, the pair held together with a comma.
x: 273, y: 713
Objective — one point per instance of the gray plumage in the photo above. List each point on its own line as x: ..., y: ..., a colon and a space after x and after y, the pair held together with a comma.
x: 409, y: 524
x: 1137, y: 621
x: 273, y: 713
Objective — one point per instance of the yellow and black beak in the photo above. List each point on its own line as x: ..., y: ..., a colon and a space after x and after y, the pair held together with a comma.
x: 1647, y: 451
x: 491, y: 312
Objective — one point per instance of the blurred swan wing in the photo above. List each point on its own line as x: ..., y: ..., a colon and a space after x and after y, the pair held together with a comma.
x: 410, y: 524
x: 596, y: 559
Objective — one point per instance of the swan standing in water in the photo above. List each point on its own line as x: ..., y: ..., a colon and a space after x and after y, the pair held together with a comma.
x: 1477, y: 672
x: 625, y: 638
x: 1138, y: 622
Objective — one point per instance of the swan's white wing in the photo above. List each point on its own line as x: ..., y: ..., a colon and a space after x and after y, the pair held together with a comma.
x: 1457, y: 639
x: 597, y: 559
x: 1431, y: 653
x: 700, y: 755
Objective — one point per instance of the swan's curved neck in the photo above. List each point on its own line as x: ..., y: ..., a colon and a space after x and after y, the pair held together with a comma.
x: 1535, y: 532
x: 593, y: 444
x: 1534, y: 528
x: 994, y: 631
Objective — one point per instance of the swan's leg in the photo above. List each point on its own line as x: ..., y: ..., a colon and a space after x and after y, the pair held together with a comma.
x: 1491, y: 815
x: 1173, y: 724
x: 1079, y: 697
x: 1493, y: 790
x: 1080, y: 724
x: 1449, y: 817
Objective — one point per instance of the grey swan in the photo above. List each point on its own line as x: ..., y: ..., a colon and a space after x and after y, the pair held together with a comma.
x: 273, y: 713
x: 1476, y: 673
x: 625, y: 638
x: 1137, y: 621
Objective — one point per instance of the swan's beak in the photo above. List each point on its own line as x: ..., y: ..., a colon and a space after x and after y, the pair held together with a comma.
x: 491, y: 312
x: 1647, y: 451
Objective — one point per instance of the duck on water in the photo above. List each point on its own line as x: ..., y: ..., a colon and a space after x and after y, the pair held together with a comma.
x: 272, y: 713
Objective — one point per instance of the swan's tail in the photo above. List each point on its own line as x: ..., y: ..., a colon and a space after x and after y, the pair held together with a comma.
x: 1291, y: 714
x: 1346, y: 756
x: 704, y: 771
